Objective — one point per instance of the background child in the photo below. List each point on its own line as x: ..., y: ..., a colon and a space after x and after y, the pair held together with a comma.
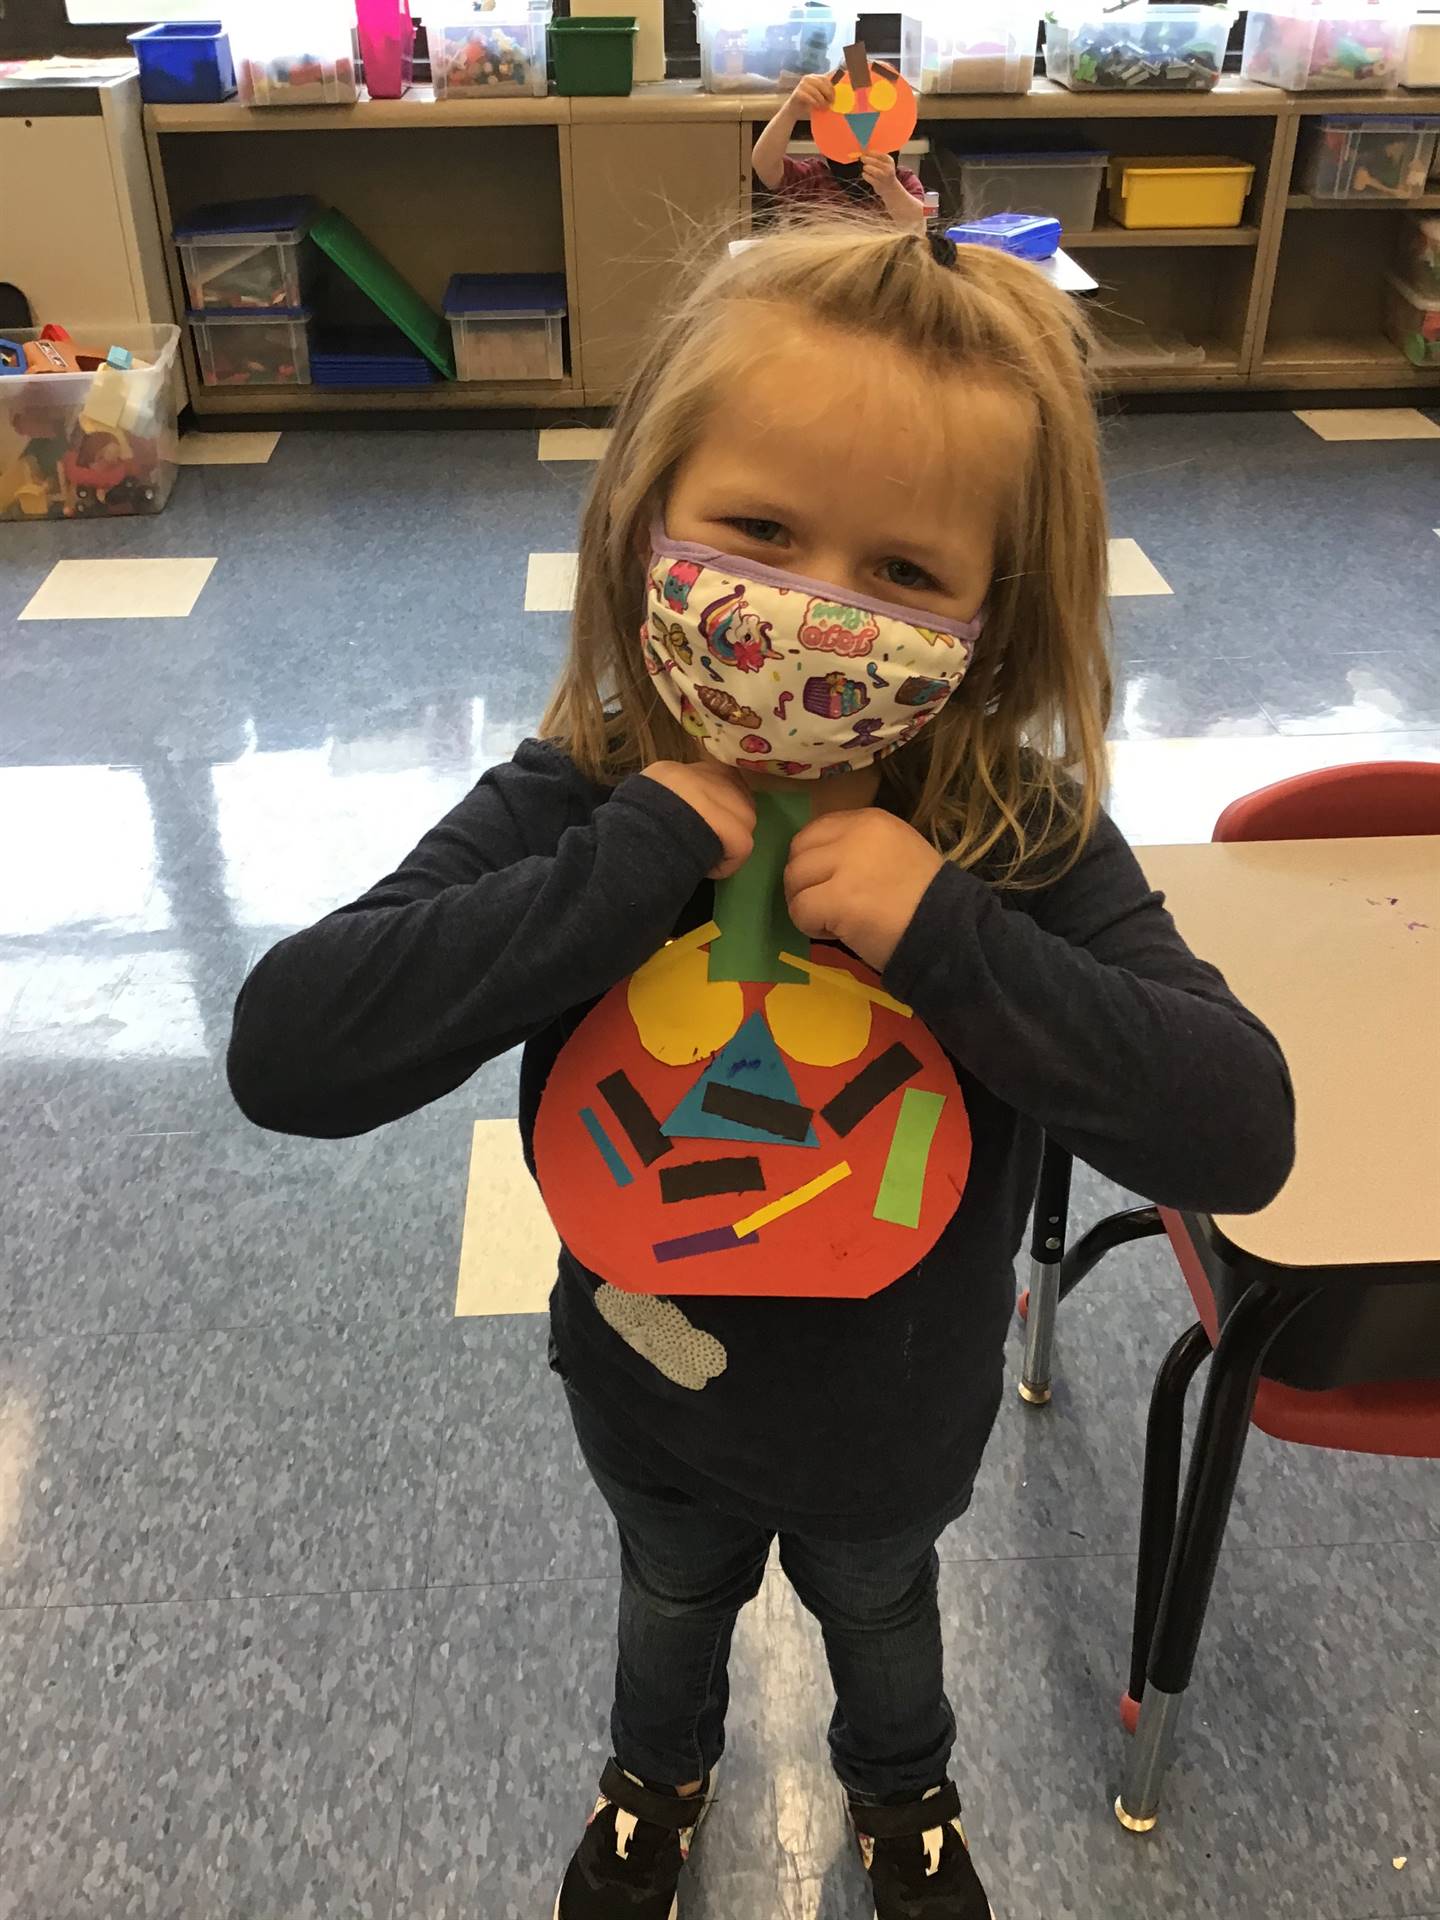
x: 874, y: 183
x: 865, y: 466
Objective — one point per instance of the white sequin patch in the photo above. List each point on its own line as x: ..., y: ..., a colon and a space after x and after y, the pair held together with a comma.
x: 659, y: 1331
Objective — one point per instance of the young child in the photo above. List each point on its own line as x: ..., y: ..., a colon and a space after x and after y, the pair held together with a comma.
x: 845, y: 556
x: 872, y: 184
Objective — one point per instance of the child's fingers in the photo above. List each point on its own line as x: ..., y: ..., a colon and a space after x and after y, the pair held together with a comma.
x: 809, y: 869
x: 809, y: 911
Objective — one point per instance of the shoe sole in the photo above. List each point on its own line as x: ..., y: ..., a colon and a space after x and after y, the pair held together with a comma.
x: 709, y: 1801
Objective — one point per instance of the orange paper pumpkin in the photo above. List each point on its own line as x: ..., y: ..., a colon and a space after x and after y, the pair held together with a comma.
x: 879, y: 118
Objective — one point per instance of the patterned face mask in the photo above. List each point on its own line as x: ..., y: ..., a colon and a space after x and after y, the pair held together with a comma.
x: 788, y: 676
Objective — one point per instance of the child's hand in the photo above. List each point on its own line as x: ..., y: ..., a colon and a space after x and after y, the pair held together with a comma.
x: 857, y: 877
x: 880, y: 173
x: 812, y: 95
x: 722, y: 800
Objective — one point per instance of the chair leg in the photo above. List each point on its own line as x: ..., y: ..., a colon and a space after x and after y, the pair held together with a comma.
x: 1253, y: 1323
x: 1115, y: 1230
x: 1047, y: 1249
x: 1160, y: 1493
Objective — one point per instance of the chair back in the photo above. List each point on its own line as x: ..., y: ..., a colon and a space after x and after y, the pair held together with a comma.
x: 1371, y: 799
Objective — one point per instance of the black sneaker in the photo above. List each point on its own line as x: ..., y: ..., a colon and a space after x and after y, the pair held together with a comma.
x: 918, y: 1859
x: 628, y: 1864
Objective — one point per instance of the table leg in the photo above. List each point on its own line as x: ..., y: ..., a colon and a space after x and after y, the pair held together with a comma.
x: 1047, y: 1248
x: 1252, y: 1325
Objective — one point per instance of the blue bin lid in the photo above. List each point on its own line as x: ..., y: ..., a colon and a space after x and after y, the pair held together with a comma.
x: 257, y: 316
x: 518, y: 293
x: 170, y: 30
x: 1069, y: 158
x: 1383, y: 122
x: 287, y: 216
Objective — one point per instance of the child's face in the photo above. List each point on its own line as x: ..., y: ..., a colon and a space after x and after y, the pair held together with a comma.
x: 841, y: 459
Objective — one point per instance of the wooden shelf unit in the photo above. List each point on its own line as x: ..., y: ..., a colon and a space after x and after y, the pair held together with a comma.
x: 622, y: 194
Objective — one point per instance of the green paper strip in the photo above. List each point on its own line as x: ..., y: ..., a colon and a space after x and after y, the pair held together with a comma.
x: 902, y: 1187
x: 755, y: 924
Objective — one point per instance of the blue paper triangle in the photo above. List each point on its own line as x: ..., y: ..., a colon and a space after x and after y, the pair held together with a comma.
x: 752, y: 1061
x: 862, y: 125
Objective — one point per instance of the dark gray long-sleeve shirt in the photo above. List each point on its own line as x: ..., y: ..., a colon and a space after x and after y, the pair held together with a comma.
x: 1074, y: 1008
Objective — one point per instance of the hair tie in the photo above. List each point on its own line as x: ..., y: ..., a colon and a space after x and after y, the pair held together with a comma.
x: 942, y: 249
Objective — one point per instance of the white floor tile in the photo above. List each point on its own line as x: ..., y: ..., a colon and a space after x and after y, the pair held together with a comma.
x: 227, y: 449
x: 119, y: 590
x: 573, y: 443
x: 1133, y: 572
x: 550, y: 583
x: 1168, y: 792
x: 1369, y: 423
x: 509, y: 1248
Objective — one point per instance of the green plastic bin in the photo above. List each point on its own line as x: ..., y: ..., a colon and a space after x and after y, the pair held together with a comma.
x: 595, y: 54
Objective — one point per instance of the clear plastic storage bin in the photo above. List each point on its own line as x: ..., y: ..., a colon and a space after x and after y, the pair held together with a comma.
x: 1339, y: 46
x: 253, y: 350
x: 248, y: 254
x: 1065, y: 185
x: 1412, y: 321
x: 1365, y: 156
x: 480, y: 55
x: 294, y: 53
x: 507, y: 326
x: 747, y: 46
x: 1418, y: 260
x: 77, y: 446
x: 989, y: 48
x: 1145, y: 45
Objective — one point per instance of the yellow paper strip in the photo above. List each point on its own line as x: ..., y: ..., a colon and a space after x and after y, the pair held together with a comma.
x: 788, y: 1202
x: 839, y: 977
x: 697, y: 937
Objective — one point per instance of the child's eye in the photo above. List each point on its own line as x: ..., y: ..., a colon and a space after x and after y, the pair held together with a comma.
x: 905, y: 573
x: 763, y: 532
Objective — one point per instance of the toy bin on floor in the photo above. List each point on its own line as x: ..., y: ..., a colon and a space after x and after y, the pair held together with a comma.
x: 294, y: 53
x: 1417, y: 262
x: 985, y: 48
x: 1156, y: 190
x: 1412, y: 320
x: 1366, y: 156
x: 764, y: 46
x: 253, y: 349
x: 79, y: 446
x: 594, y: 55
x: 180, y: 62
x: 1141, y: 46
x: 507, y: 326
x: 248, y: 254
x: 1335, y: 46
x: 477, y: 56
x: 1066, y: 185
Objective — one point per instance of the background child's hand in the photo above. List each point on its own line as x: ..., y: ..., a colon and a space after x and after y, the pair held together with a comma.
x: 879, y: 171
x: 857, y: 877
x: 813, y: 94
x: 722, y: 800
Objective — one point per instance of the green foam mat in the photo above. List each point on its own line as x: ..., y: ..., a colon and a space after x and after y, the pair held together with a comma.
x: 393, y: 295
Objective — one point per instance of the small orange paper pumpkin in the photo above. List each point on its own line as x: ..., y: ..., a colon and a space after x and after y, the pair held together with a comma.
x: 879, y: 118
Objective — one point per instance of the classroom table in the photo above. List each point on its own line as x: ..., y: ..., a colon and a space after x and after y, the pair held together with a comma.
x: 1335, y: 944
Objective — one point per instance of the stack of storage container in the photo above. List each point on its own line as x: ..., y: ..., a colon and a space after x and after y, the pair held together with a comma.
x: 249, y: 270
x: 1412, y: 305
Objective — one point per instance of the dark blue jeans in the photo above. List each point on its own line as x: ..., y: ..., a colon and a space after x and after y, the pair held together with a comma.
x: 687, y: 1569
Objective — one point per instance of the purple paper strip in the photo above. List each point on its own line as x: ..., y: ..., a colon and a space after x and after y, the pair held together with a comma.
x: 715, y: 1240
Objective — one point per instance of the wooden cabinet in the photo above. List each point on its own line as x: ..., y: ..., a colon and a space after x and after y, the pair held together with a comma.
x: 648, y: 200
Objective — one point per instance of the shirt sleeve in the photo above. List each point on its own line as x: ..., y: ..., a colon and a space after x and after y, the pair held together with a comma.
x: 798, y: 174
x: 1089, y: 1014
x: 534, y: 895
x: 911, y: 182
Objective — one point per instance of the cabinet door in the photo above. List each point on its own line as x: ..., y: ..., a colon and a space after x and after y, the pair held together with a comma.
x: 61, y: 239
x: 645, y: 198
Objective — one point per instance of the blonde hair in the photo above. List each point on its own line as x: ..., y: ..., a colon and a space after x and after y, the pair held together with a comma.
x: 1010, y: 772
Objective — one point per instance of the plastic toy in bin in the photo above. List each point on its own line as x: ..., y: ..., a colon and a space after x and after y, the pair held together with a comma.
x: 749, y: 46
x: 86, y: 431
x: 477, y: 55
x: 294, y: 53
x: 1138, y: 46
x: 253, y: 349
x: 1029, y: 236
x: 1324, y: 45
x: 248, y: 253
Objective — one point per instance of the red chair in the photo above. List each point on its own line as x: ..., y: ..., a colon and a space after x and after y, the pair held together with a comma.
x: 1314, y: 1370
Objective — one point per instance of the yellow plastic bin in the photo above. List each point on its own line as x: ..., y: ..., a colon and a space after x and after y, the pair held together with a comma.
x: 1178, y: 190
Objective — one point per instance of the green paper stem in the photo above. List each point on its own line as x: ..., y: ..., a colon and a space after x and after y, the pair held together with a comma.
x: 755, y: 924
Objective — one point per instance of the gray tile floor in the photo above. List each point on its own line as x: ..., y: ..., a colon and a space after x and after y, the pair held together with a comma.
x: 305, y: 1604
